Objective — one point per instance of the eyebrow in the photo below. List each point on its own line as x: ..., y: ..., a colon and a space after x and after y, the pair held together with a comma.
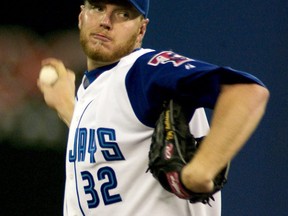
x: 120, y: 3
x: 116, y: 2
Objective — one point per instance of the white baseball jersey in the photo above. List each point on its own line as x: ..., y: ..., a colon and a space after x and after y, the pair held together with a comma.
x: 110, y: 133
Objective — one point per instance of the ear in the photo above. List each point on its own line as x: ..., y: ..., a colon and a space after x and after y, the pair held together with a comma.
x: 143, y: 29
x: 80, y: 17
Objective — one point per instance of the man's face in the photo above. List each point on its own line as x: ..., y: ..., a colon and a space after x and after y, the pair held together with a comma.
x: 109, y: 31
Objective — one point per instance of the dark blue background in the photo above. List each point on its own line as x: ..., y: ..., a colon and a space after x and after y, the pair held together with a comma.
x: 247, y: 35
x: 251, y: 36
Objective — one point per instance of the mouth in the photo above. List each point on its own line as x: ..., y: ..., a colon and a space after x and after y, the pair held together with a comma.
x: 101, y: 37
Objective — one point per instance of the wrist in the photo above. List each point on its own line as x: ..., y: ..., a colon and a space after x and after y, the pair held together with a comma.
x: 65, y: 112
x: 196, y: 179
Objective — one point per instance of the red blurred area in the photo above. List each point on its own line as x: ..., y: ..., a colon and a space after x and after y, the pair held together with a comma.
x: 21, y: 53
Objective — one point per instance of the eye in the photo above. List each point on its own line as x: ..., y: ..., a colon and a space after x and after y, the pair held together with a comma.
x: 123, y: 15
x: 97, y: 8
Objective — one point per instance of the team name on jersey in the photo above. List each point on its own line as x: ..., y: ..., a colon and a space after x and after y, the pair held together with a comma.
x: 88, y: 141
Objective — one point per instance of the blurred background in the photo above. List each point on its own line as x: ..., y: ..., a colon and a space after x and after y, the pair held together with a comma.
x: 247, y: 35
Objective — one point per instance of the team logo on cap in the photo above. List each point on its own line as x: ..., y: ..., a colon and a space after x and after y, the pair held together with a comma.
x: 169, y: 57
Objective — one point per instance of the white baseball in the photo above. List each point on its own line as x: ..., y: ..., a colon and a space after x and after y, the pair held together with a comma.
x: 48, y: 75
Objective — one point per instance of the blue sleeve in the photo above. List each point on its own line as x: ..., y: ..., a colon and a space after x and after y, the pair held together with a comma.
x: 159, y: 76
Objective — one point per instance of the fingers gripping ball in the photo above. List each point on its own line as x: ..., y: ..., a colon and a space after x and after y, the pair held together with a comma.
x: 48, y: 75
x: 172, y: 147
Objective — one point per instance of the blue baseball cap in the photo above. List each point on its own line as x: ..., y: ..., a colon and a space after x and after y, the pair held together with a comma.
x: 141, y: 5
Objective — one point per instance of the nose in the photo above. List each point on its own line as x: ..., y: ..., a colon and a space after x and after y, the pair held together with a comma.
x: 106, y: 21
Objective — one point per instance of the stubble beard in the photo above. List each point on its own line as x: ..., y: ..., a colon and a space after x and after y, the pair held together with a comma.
x: 99, y: 53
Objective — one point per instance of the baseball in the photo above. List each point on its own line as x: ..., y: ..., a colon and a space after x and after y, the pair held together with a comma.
x: 48, y: 75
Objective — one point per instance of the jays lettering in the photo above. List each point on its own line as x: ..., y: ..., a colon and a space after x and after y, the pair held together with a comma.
x: 86, y: 143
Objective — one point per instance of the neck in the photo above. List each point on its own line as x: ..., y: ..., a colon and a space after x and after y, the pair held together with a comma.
x: 91, y: 64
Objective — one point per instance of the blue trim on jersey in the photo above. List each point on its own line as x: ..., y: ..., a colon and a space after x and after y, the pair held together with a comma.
x: 153, y: 79
x: 90, y: 76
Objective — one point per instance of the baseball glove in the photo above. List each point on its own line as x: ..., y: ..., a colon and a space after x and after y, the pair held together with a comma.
x: 172, y: 147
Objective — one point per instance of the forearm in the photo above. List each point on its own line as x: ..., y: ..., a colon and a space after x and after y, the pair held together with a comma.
x: 236, y: 115
x: 65, y: 112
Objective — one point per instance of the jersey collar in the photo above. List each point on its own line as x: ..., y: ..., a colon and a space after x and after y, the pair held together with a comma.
x: 90, y: 76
